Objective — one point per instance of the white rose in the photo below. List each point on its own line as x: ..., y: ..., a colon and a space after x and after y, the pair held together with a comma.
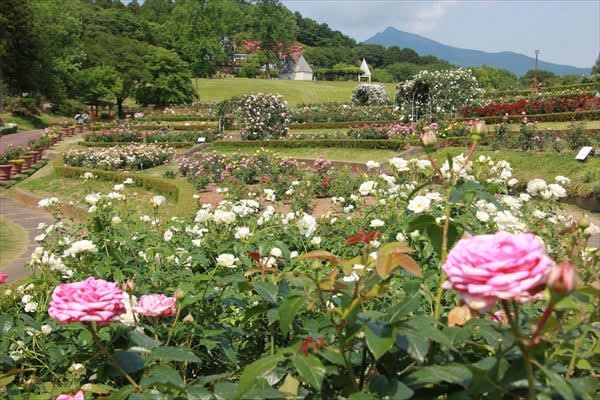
x: 227, y: 260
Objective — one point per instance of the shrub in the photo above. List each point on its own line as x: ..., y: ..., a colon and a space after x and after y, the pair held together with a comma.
x: 132, y: 157
x: 501, y: 136
x: 25, y: 106
x: 367, y: 94
x: 263, y: 116
x: 576, y: 137
x: 8, y: 129
x: 527, y: 134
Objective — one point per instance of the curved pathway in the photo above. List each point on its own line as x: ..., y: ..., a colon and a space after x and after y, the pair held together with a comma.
x: 28, y: 218
x: 19, y: 139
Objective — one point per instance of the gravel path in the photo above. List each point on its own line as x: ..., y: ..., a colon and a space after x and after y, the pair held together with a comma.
x: 19, y: 139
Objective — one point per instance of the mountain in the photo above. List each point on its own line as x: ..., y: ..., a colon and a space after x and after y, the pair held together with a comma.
x: 515, y: 62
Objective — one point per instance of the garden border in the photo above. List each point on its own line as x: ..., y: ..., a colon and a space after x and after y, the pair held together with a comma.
x: 181, y: 191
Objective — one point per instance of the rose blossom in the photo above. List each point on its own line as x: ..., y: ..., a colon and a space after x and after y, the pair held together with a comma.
x: 156, y: 305
x: 502, y: 266
x: 562, y: 278
x: 78, y: 396
x: 91, y: 300
x: 3, y: 278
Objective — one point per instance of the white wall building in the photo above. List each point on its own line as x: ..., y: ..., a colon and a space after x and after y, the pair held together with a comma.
x: 296, y: 70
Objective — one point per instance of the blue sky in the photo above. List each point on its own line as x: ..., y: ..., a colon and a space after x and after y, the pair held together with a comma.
x: 566, y: 32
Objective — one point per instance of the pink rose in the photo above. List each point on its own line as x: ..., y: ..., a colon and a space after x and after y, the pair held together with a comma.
x: 156, y: 305
x: 91, y: 300
x: 562, y: 278
x: 3, y: 278
x: 503, y: 266
x: 78, y: 396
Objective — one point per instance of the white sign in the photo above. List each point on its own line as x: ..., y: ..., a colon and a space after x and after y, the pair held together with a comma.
x: 583, y: 153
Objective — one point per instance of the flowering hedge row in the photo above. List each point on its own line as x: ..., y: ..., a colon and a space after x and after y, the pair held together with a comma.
x: 333, y: 112
x: 185, y: 126
x: 543, y: 106
x: 551, y: 117
x: 383, y: 144
x: 155, y: 136
x: 131, y: 157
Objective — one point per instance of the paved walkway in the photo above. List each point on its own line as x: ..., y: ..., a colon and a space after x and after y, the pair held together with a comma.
x: 19, y: 139
x: 28, y: 218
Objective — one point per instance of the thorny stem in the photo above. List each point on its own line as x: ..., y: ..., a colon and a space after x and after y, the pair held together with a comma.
x: 173, y: 325
x: 541, y: 323
x: 111, y: 356
x: 577, y: 346
x: 526, y: 358
x: 438, y: 299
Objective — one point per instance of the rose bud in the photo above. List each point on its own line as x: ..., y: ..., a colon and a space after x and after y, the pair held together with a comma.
x: 128, y: 286
x: 179, y: 294
x: 188, y: 319
x: 562, y: 278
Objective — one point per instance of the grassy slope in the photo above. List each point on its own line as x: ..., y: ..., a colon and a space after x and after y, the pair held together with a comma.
x: 295, y: 92
x: 585, y: 177
x: 27, y: 124
x: 13, y: 240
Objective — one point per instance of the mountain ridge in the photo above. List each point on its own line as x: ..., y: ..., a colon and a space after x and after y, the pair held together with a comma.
x: 512, y: 61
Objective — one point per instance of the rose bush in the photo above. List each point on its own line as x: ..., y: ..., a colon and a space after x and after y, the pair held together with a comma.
x: 262, y: 116
x: 130, y: 157
x: 369, y: 94
x: 271, y: 303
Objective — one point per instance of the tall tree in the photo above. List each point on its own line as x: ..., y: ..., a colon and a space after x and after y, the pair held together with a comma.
x: 19, y: 46
x: 274, y: 26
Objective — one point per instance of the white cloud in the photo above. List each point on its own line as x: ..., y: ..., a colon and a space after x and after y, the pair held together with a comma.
x: 426, y: 18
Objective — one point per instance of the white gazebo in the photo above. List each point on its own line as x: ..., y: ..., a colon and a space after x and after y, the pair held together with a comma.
x: 366, y: 72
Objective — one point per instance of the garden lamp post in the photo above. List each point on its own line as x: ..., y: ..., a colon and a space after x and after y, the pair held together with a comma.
x: 537, y: 87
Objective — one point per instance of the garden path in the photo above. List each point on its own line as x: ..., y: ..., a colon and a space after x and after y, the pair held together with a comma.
x: 19, y: 139
x: 28, y: 218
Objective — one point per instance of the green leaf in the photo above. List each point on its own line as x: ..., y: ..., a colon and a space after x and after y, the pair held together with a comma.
x: 142, y: 340
x: 121, y: 394
x: 255, y: 370
x: 451, y: 373
x: 407, y: 306
x: 559, y: 383
x: 198, y: 392
x: 310, y: 369
x: 391, y: 389
x: 415, y: 345
x: 174, y: 354
x: 162, y: 375
x: 288, y: 310
x: 421, y: 222
x: 427, y: 327
x: 226, y: 391
x: 267, y: 291
x: 380, y: 338
x: 129, y: 361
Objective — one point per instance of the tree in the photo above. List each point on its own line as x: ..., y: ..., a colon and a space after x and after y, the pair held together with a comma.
x: 98, y: 85
x: 373, y: 53
x: 19, y: 47
x: 542, y: 76
x: 168, y: 81
x: 596, y: 67
x: 392, y: 55
x: 274, y: 26
x: 495, y: 78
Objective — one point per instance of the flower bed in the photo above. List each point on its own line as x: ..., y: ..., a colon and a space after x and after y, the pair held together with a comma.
x: 543, y: 106
x: 333, y: 112
x: 131, y: 157
x: 123, y: 135
x: 427, y: 291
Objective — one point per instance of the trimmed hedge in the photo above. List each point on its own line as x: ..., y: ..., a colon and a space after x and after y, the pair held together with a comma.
x: 24, y: 174
x: 179, y: 118
x: 589, y: 85
x: 8, y: 129
x: 175, y: 127
x: 177, y: 145
x: 341, y: 124
x: 379, y: 144
x: 550, y: 117
x: 181, y: 191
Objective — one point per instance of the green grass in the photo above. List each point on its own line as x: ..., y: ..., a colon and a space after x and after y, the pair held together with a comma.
x: 48, y: 183
x: 13, y: 240
x: 28, y: 124
x: 295, y: 92
x: 334, y: 154
x: 585, y: 177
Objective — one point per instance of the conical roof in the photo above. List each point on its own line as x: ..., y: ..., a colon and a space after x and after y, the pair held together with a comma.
x: 291, y: 66
x: 365, y: 68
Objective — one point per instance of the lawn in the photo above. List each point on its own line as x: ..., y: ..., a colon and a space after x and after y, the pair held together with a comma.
x: 27, y: 124
x: 47, y: 183
x: 585, y: 177
x: 564, y: 125
x: 295, y: 92
x: 13, y: 240
x: 334, y: 154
